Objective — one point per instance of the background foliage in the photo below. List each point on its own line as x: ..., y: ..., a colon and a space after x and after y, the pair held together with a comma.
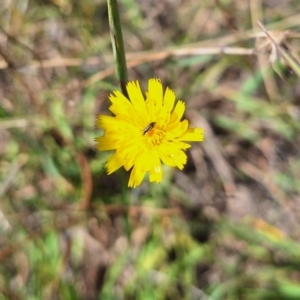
x: 225, y: 228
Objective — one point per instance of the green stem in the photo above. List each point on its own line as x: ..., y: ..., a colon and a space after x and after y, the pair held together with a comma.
x: 117, y: 43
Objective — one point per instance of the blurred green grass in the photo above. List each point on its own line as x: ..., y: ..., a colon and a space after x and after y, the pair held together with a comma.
x: 69, y: 231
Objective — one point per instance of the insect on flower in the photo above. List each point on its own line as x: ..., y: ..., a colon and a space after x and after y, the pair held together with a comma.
x: 148, y: 128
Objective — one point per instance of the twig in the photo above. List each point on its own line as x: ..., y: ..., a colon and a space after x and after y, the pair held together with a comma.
x: 290, y: 60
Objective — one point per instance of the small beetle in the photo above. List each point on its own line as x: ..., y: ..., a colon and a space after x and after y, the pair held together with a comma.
x: 148, y: 128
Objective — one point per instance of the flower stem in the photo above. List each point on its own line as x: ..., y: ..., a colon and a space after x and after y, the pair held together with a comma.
x: 117, y: 43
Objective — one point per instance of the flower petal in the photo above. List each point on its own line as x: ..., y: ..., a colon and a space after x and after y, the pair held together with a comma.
x: 169, y: 100
x: 113, y: 163
x: 120, y: 104
x: 193, y: 135
x: 156, y: 168
x: 106, y: 122
x: 177, y: 112
x: 106, y: 143
x: 136, y: 97
x: 155, y: 91
x: 139, y: 170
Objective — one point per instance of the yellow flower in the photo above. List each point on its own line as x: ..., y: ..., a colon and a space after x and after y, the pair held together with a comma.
x: 144, y: 133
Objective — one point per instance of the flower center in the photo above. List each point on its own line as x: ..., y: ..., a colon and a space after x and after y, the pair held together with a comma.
x: 154, y: 137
